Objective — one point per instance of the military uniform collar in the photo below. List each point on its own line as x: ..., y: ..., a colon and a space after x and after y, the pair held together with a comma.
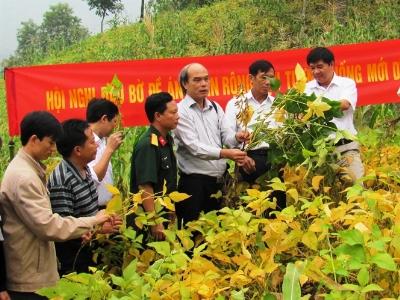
x: 159, y: 140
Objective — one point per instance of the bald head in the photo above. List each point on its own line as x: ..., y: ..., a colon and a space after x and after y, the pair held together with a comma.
x: 193, y: 79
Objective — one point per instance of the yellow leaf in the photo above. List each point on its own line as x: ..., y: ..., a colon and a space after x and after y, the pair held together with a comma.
x: 301, y: 78
x: 280, y: 115
x: 205, y: 291
x: 217, y: 195
x: 166, y: 202
x: 147, y: 256
x: 300, y: 73
x: 316, y: 181
x: 318, y: 107
x: 253, y: 192
x: 239, y: 279
x: 112, y: 189
x: 294, y: 194
x: 164, y: 188
x: 114, y: 205
x: 303, y: 279
x: 327, y: 189
x: 137, y: 198
x: 307, y: 116
x: 327, y: 210
x: 222, y: 257
x: 245, y: 251
x: 244, y: 116
x: 178, y: 197
x: 361, y: 227
x: 310, y: 240
x: 256, y: 272
x: 240, y: 260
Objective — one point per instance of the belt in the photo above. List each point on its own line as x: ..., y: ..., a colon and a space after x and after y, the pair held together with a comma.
x: 342, y: 142
x: 202, y: 177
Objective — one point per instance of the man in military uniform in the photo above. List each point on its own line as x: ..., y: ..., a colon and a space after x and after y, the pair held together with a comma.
x: 153, y: 160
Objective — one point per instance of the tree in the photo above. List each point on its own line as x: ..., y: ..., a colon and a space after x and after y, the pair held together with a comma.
x: 28, y: 37
x: 105, y: 7
x: 61, y: 28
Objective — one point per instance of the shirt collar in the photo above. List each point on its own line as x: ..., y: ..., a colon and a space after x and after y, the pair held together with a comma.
x: 37, y: 165
x: 191, y: 102
x: 158, y: 134
x: 249, y: 95
x: 75, y: 171
x: 335, y: 81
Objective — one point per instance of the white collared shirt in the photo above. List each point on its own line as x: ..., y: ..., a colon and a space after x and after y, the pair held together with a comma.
x: 104, y: 194
x: 199, y: 137
x: 340, y: 88
x: 259, y: 112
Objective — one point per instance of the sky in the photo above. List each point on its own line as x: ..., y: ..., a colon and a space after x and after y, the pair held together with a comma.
x: 13, y: 12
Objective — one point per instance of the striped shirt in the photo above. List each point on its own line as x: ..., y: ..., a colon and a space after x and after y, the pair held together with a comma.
x: 70, y: 194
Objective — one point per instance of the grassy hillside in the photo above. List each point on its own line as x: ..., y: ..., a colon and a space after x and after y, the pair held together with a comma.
x: 234, y: 26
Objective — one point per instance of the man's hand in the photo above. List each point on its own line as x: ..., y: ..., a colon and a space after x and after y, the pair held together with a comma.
x: 344, y: 104
x: 112, y: 226
x: 242, y: 136
x: 86, y: 237
x: 4, y: 296
x: 233, y: 154
x: 102, y: 217
x: 249, y: 165
x: 114, y: 141
x: 157, y: 232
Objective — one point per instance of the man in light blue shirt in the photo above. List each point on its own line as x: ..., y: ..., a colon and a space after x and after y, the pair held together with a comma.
x: 200, y: 137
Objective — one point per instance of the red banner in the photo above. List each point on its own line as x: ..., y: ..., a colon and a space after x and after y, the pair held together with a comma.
x: 65, y: 89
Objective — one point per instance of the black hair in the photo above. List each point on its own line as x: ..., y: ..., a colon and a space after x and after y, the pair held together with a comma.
x: 41, y: 124
x: 156, y: 103
x: 261, y: 65
x: 73, y: 135
x: 320, y: 53
x: 98, y: 107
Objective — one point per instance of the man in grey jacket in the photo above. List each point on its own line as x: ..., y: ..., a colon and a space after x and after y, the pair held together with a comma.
x: 29, y: 225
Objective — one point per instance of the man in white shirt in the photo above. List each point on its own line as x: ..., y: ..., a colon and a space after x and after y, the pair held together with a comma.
x: 200, y: 136
x: 326, y: 83
x: 260, y: 103
x: 102, y: 116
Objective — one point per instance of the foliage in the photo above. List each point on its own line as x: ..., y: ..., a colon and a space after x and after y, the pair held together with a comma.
x: 104, y: 8
x: 58, y: 30
x: 239, y: 26
x: 159, y: 6
x: 348, y: 250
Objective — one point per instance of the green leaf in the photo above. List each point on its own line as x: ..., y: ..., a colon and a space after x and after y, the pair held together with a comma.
x: 130, y: 233
x: 180, y: 259
x: 118, y: 280
x: 277, y: 185
x: 363, y: 277
x: 274, y: 83
x: 291, y: 285
x: 269, y: 296
x: 356, y: 252
x: 129, y: 272
x: 352, y: 237
x: 371, y: 288
x: 238, y: 295
x: 162, y: 248
x: 384, y: 261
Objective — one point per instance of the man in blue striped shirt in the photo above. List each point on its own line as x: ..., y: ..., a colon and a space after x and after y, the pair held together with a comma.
x: 73, y: 191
